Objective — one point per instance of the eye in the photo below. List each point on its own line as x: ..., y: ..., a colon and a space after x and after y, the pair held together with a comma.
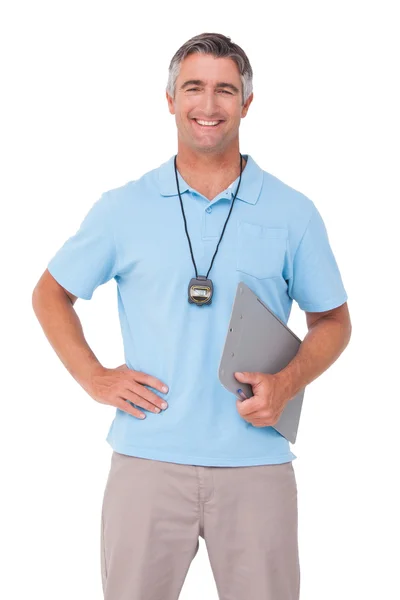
x: 196, y: 89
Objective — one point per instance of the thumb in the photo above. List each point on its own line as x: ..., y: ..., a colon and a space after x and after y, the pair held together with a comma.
x: 246, y: 376
x: 123, y: 367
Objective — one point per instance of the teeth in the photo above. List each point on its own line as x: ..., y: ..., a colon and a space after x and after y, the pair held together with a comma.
x: 208, y: 123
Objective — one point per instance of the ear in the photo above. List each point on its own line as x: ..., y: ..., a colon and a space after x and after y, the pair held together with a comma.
x: 247, y: 104
x: 171, y: 103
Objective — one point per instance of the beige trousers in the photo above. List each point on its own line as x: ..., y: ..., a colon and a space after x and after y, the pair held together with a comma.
x: 154, y: 512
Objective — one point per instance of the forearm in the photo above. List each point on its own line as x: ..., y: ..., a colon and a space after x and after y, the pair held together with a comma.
x: 63, y: 329
x: 325, y: 341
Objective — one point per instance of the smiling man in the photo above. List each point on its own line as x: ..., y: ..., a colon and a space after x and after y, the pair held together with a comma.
x: 189, y: 459
x: 208, y: 107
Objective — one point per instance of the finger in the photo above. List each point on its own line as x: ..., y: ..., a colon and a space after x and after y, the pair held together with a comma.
x: 267, y: 417
x: 249, y: 406
x: 140, y: 401
x: 126, y: 407
x: 259, y: 413
x: 150, y: 380
x: 264, y: 422
x: 241, y: 394
x: 148, y: 395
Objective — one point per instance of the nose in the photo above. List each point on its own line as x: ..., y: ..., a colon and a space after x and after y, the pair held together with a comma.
x: 209, y: 103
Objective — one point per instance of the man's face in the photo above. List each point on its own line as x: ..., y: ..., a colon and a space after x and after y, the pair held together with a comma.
x: 206, y: 99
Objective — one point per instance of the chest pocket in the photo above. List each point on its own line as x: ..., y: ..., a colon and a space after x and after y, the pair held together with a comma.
x: 260, y: 251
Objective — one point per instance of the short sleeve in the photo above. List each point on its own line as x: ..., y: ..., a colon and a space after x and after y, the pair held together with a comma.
x: 316, y: 283
x: 88, y: 258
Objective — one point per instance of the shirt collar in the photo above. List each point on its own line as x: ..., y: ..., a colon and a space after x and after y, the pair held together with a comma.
x: 250, y: 185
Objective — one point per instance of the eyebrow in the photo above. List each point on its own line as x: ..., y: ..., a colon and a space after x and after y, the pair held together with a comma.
x: 222, y: 84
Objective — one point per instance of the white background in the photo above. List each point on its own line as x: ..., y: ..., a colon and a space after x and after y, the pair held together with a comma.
x: 83, y: 110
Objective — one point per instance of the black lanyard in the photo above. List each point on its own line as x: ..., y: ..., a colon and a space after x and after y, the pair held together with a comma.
x: 200, y: 288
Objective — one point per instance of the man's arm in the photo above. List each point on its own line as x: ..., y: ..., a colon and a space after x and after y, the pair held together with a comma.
x: 328, y: 334
x: 53, y: 306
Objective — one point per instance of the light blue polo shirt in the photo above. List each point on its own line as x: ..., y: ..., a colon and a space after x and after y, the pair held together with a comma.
x: 275, y: 241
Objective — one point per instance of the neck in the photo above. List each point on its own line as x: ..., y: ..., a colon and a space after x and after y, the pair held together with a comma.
x: 208, y: 163
x: 209, y: 173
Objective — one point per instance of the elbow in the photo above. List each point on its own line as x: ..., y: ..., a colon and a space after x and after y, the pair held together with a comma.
x: 347, y: 331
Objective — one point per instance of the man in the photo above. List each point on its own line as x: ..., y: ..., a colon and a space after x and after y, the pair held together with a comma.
x: 190, y: 460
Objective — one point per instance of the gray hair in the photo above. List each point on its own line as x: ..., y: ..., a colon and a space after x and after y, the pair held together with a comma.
x: 217, y: 45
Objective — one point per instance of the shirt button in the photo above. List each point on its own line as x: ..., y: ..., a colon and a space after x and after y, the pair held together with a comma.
x: 209, y: 209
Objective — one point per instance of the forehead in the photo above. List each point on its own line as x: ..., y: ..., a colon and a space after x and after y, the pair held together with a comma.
x: 208, y: 68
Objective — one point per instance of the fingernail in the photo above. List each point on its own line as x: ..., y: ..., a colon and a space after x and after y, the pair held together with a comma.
x: 164, y: 405
x: 164, y: 388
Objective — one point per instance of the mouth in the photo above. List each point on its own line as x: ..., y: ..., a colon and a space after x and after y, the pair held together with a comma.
x: 202, y: 124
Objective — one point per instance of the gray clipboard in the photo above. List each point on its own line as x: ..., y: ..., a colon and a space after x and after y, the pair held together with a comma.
x: 257, y: 340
